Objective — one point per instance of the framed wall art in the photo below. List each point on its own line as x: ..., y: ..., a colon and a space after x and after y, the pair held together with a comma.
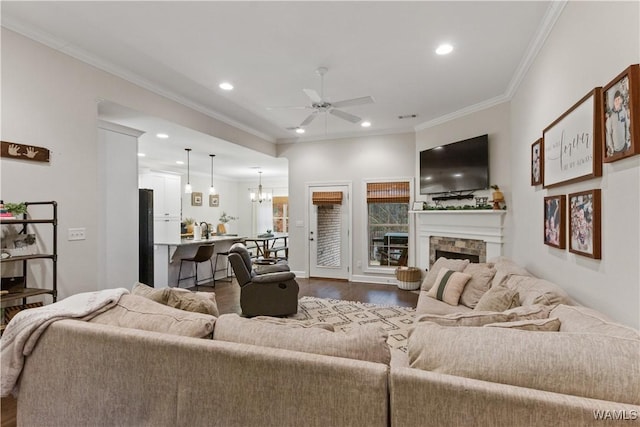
x: 554, y: 221
x: 196, y: 199
x: 214, y: 200
x: 621, y: 116
x: 536, y: 162
x: 584, y: 223
x: 572, y: 143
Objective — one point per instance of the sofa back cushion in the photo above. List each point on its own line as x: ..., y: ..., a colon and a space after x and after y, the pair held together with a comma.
x: 363, y: 343
x: 505, y: 267
x: 432, y: 274
x: 480, y: 282
x: 587, y: 365
x: 136, y: 312
x: 183, y: 299
x: 552, y: 324
x: 537, y: 291
x: 583, y: 319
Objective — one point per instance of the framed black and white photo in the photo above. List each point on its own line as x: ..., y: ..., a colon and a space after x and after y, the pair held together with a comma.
x: 214, y: 200
x: 536, y: 162
x: 621, y: 103
x: 572, y: 143
x: 196, y: 199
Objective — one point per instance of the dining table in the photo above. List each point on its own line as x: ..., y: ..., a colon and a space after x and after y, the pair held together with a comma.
x: 269, y: 243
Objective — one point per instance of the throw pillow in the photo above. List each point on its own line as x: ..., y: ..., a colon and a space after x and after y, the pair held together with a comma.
x: 432, y: 274
x: 137, y: 312
x: 367, y: 343
x: 589, y: 365
x: 448, y: 286
x: 481, y: 276
x: 542, y: 325
x: 498, y: 298
x: 533, y: 290
x: 182, y: 299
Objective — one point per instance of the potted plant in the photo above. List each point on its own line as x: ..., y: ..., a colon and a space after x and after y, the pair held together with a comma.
x: 224, y: 219
x: 16, y: 209
x: 189, y: 223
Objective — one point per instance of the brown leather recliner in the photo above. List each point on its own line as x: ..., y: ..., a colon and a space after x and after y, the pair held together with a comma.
x: 267, y: 294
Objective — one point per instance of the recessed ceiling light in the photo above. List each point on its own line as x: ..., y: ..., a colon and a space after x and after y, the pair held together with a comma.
x: 225, y: 86
x: 162, y: 135
x: 457, y: 175
x: 179, y: 162
x: 300, y: 130
x: 365, y: 124
x: 444, y: 49
x: 141, y: 154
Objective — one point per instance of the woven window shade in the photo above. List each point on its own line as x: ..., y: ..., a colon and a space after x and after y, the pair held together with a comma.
x: 388, y: 192
x: 280, y: 200
x: 327, y: 198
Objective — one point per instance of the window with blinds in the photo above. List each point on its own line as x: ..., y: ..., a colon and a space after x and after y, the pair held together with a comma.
x: 388, y: 223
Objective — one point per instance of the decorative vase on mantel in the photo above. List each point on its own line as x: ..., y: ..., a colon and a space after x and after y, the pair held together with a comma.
x: 498, y: 197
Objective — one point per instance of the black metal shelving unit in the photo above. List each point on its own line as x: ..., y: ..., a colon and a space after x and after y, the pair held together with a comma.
x: 25, y: 222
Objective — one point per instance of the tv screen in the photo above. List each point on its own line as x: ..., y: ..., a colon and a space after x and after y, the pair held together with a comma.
x: 456, y: 167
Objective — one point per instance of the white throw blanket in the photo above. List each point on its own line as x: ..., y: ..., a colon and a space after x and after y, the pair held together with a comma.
x: 23, y: 331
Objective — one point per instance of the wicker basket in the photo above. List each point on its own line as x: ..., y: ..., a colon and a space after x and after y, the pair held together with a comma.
x: 408, y: 278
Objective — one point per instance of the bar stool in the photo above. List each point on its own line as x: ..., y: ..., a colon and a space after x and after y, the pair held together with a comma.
x: 204, y: 253
x: 226, y: 268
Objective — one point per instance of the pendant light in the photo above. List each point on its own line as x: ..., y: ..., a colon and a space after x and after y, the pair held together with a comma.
x: 187, y: 188
x: 260, y: 197
x: 212, y: 189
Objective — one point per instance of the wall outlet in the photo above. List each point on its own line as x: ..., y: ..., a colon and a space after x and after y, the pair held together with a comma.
x: 77, y: 234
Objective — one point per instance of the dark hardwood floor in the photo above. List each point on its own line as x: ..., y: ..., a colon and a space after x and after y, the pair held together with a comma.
x: 228, y: 300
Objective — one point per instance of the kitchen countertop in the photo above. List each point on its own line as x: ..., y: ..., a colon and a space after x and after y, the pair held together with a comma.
x: 186, y: 242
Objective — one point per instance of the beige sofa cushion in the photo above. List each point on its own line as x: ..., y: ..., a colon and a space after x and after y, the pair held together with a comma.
x: 542, y: 325
x: 430, y: 305
x: 583, y: 319
x: 587, y: 365
x: 183, y: 299
x: 448, y: 286
x: 481, y: 318
x: 363, y: 343
x: 293, y: 323
x: 498, y: 298
x: 432, y: 274
x: 481, y: 277
x: 137, y: 312
x: 537, y: 291
x: 505, y: 267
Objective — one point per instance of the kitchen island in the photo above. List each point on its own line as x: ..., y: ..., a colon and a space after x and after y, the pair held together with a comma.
x: 167, y: 257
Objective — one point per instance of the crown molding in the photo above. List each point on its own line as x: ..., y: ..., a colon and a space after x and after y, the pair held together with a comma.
x: 88, y: 58
x: 551, y: 16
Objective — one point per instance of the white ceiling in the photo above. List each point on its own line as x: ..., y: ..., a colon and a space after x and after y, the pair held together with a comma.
x: 270, y: 51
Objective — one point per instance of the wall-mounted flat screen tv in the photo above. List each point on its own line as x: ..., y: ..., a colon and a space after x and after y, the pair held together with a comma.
x: 456, y: 167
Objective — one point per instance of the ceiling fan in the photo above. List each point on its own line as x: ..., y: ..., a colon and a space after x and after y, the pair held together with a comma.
x: 320, y: 105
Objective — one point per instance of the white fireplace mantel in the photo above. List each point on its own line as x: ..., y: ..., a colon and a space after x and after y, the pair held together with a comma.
x: 464, y: 224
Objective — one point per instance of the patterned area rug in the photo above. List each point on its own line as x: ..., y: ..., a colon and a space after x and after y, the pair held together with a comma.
x: 344, y: 315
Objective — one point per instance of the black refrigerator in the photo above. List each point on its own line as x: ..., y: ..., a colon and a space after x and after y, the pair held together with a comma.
x: 145, y: 238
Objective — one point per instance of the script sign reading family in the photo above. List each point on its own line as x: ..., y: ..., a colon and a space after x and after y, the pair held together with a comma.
x: 572, y: 144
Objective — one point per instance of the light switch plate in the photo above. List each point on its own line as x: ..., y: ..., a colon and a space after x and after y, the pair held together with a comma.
x: 77, y: 234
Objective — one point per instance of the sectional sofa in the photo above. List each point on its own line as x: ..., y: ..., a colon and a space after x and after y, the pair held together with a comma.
x: 116, y: 370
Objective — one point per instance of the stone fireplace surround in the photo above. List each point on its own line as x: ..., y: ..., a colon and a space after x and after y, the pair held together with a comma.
x: 473, y: 232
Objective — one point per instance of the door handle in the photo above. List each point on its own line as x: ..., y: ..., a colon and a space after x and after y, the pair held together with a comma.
x: 311, y: 238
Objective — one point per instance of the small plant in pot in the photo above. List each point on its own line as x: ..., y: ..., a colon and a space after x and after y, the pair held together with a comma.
x: 188, y: 222
x: 498, y: 197
x: 224, y: 219
x: 16, y: 209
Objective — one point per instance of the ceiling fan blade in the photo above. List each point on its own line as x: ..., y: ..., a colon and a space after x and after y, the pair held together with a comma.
x: 354, y: 101
x: 287, y: 107
x: 309, y: 119
x: 345, y: 116
x: 313, y: 95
